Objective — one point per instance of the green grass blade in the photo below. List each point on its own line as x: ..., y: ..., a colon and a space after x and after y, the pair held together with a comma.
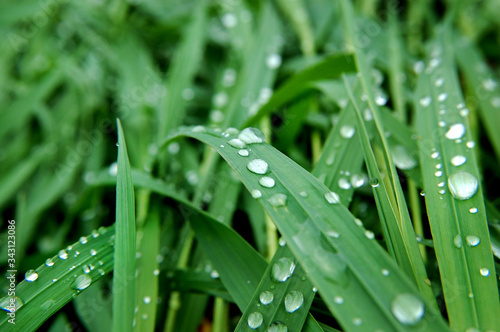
x: 299, y: 18
x: 338, y: 255
x: 124, y: 263
x: 457, y: 218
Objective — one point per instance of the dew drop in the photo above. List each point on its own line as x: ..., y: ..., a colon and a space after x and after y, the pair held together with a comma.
x: 463, y: 185
x: 267, y: 181
x: 220, y: 99
x: 456, y: 131
x: 277, y: 327
x: 282, y: 269
x: 357, y: 321
x: 214, y: 274
x: 439, y: 82
x: 369, y: 235
x: 31, y: 275
x: 266, y: 297
x: 47, y: 305
x: 458, y: 160
x: 282, y: 242
x: 332, y: 197
x: 273, y: 61
x: 367, y: 114
x: 256, y: 193
x: 484, y: 272
x: 174, y: 148
x: 147, y: 299
x: 358, y: 180
x: 236, y: 143
x: 464, y: 112
x: 82, y: 281
x: 304, y: 194
x: 198, y: 129
x: 11, y: 303
x: 402, y: 159
x: 278, y: 200
x: 472, y: 240
x: 408, y: 309
x: 255, y: 320
x: 243, y: 152
x: 293, y: 301
x: 435, y: 155
x: 83, y: 240
x: 347, y: 131
x: 338, y: 299
x: 374, y: 182
x: 473, y: 210
x: 425, y: 101
x: 438, y: 173
x: 442, y: 96
x: 489, y: 84
x: 93, y: 252
x: 49, y: 262
x: 380, y: 100
x: 63, y: 254
x: 470, y: 144
x: 344, y: 184
x: 385, y: 272
x: 257, y: 166
x: 457, y: 241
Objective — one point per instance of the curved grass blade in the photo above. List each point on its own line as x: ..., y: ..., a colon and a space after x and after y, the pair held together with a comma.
x: 340, y: 257
x: 59, y: 280
x: 124, y: 263
x: 453, y: 196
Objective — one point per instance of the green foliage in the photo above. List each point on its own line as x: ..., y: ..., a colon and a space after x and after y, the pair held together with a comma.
x: 312, y: 222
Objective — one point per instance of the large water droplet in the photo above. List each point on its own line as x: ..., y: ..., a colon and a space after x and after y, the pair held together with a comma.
x: 278, y: 200
x: 457, y: 241
x: 255, y: 320
x: 63, y: 254
x: 293, y: 301
x: 82, y: 281
x: 257, y: 166
x: 472, y: 240
x: 456, y: 131
x: 402, y: 159
x: 332, y: 197
x: 458, y: 160
x: 277, y: 327
x: 408, y: 309
x: 282, y: 269
x: 251, y: 135
x: 31, y: 275
x: 236, y: 143
x: 463, y: 185
x: 11, y: 303
x: 266, y: 297
x: 347, y: 131
x: 267, y: 181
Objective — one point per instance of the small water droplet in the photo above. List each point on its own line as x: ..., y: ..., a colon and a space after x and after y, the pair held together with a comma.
x: 369, y: 235
x: 473, y: 210
x: 472, y: 240
x: 457, y: 241
x: 358, y: 222
x: 442, y: 96
x: 198, y: 129
x: 408, y: 309
x: 470, y: 144
x: 256, y: 193
x: 257, y: 166
x: 82, y: 281
x: 484, y: 272
x: 332, y: 197
x: 83, y: 240
x: 267, y: 181
x: 63, y: 254
x: 47, y: 305
x: 243, y: 152
x: 101, y: 272
x: 344, y: 184
x: 357, y: 321
x: 282, y: 242
x: 385, y: 272
x: 380, y: 100
x: 456, y: 131
x: 458, y: 160
x: 438, y: 174
x: 441, y: 184
x: 282, y: 269
x: 255, y: 320
x: 31, y: 275
x: 49, y: 262
x: 293, y: 301
x: 278, y: 200
x: 347, y: 131
x: 435, y: 155
x: 236, y: 143
x: 273, y: 61
x: 463, y: 185
x: 367, y: 114
x: 439, y: 82
x: 147, y: 299
x: 425, y: 101
x: 266, y: 297
x: 214, y: 274
x: 418, y: 67
x: 489, y: 84
x: 93, y: 252
x: 358, y: 180
x: 464, y: 112
x: 11, y: 303
x: 374, y: 182
x: 303, y: 194
x: 277, y: 327
x: 338, y: 299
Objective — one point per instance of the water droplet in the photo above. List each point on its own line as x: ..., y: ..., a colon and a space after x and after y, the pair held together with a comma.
x: 347, y: 131
x: 473, y: 210
x: 456, y: 131
x: 367, y: 114
x: 402, y: 159
x: 216, y: 116
x: 147, y: 299
x: 495, y: 102
x: 266, y: 297
x: 358, y: 180
x: 229, y: 77
x: 282, y: 242
x: 374, y: 182
x: 315, y: 290
x: 277, y: 327
x: 472, y: 240
x: 47, y: 305
x: 49, y: 262
x: 278, y: 200
x: 251, y: 136
x: 369, y: 235
x: 113, y: 169
x: 243, y: 153
x: 408, y: 309
x: 273, y: 61
x: 470, y: 144
x: 236, y: 143
x: 457, y: 241
x: 267, y: 181
x: 82, y: 281
x: 439, y: 82
x: 438, y: 174
x: 11, y: 303
x: 303, y: 194
x: 293, y: 301
x: 63, y: 254
x: 344, y: 184
x: 357, y: 321
x: 330, y: 160
x: 214, y: 274
x: 101, y: 272
x: 220, y: 99
x: 31, y: 275
x: 441, y: 123
x: 464, y: 112
x: 489, y: 84
x: 385, y: 272
x: 188, y: 94
x: 83, y: 240
x: 256, y: 193
x: 484, y: 272
x: 282, y: 269
x: 441, y: 184
x: 229, y: 20
x: 93, y: 252
x: 255, y: 320
x: 422, y: 193
x: 332, y: 197
x: 192, y: 177
x: 458, y: 160
x: 380, y: 100
x: 333, y: 234
x: 198, y: 129
x: 86, y: 269
x: 442, y: 96
x: 338, y: 299
x: 463, y: 185
x: 435, y: 155
x: 358, y: 222
x: 174, y: 148
x: 418, y: 67
x: 425, y: 101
